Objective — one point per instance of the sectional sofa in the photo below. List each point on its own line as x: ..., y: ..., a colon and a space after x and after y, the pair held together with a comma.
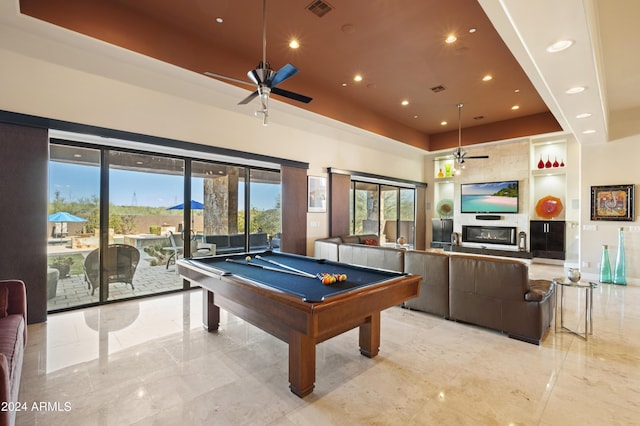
x: 491, y: 292
x: 234, y: 243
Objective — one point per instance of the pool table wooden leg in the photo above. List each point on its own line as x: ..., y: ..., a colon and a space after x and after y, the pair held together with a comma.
x: 370, y: 336
x: 302, y: 363
x: 210, y: 312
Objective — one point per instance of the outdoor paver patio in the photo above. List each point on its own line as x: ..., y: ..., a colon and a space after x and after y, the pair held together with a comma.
x: 73, y: 290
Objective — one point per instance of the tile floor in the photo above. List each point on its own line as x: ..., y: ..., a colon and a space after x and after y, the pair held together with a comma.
x: 149, y: 362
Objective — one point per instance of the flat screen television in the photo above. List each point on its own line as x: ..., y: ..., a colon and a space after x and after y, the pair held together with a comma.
x: 489, y: 197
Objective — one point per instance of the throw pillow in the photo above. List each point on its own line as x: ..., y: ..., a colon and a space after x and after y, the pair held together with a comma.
x: 4, y: 301
x: 370, y: 242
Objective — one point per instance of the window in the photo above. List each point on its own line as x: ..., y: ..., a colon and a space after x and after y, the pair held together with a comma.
x: 147, y: 221
x: 382, y: 209
x: 74, y: 223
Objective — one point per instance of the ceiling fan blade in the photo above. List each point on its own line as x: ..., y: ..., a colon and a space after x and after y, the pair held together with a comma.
x: 224, y: 77
x: 477, y: 156
x: 248, y: 98
x: 283, y: 74
x: 291, y: 95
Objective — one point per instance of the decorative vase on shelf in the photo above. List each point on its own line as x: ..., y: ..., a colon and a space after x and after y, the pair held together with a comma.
x: 440, y: 174
x: 605, y: 266
x: 555, y: 163
x: 447, y: 169
x: 541, y: 163
x: 620, y: 270
x: 561, y: 163
x: 548, y: 164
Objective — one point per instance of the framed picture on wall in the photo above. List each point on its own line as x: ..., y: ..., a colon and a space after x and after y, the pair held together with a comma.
x: 612, y: 202
x: 317, y: 194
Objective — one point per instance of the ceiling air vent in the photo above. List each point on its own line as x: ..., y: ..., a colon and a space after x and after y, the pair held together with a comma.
x: 437, y: 89
x: 319, y: 8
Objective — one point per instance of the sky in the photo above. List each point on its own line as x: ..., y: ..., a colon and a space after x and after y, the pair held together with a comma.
x: 136, y: 188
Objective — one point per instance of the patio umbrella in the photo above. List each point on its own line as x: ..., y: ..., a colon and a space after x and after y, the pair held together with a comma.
x: 62, y: 218
x: 195, y: 205
x: 65, y: 217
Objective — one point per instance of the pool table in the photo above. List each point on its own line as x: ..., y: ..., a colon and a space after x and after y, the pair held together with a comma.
x: 297, y: 309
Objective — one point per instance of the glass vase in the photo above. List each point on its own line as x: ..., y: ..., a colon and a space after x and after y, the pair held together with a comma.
x: 605, y: 266
x: 620, y: 270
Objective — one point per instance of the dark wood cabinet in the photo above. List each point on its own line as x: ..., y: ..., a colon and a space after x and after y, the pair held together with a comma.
x: 548, y: 238
x: 441, y: 230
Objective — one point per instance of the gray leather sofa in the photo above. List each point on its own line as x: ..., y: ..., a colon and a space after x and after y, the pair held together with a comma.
x: 434, y: 287
x: 498, y: 294
x: 487, y: 291
x: 327, y: 248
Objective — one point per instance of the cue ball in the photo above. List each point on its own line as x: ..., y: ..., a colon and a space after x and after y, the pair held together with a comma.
x: 248, y: 258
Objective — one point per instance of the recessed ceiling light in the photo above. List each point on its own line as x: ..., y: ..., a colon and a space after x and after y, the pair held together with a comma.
x: 487, y: 78
x: 139, y: 162
x: 405, y: 102
x: 219, y: 20
x: 588, y: 132
x: 294, y: 44
x: 450, y: 38
x: 443, y: 123
x: 357, y: 77
x: 515, y: 107
x: 77, y: 155
x: 472, y: 30
x: 559, y: 46
x: 517, y: 91
x: 415, y: 116
x: 574, y: 90
x: 584, y: 115
x: 344, y: 84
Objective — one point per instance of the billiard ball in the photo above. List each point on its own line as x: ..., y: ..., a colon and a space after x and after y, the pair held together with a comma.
x: 248, y: 258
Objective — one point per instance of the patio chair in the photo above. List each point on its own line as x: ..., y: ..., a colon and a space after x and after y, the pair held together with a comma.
x: 121, y: 263
x: 176, y: 248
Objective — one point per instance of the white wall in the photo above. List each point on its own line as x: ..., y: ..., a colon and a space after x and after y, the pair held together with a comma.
x: 613, y: 163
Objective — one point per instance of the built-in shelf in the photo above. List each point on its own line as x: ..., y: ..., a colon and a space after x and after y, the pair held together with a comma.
x: 554, y: 171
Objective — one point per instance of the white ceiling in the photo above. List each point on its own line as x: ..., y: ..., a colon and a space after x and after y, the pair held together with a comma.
x: 602, y: 59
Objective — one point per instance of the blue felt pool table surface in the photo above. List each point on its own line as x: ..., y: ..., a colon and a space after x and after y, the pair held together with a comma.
x: 308, y: 289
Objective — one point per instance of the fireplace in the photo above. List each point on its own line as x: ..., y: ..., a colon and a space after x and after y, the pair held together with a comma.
x: 505, y: 235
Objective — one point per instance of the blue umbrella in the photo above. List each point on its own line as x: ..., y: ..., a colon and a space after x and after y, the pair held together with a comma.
x: 195, y: 205
x: 65, y: 217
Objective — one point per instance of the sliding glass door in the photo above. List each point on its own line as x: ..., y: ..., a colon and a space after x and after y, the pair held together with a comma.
x: 385, y: 210
x: 74, y: 223
x: 146, y: 223
x: 119, y: 219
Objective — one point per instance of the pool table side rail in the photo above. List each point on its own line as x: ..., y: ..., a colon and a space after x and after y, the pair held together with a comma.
x: 277, y: 312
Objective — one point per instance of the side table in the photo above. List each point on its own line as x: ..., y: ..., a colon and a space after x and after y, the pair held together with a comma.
x: 588, y: 287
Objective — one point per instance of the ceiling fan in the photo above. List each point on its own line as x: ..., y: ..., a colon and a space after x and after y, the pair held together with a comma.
x: 459, y: 156
x: 265, y: 78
